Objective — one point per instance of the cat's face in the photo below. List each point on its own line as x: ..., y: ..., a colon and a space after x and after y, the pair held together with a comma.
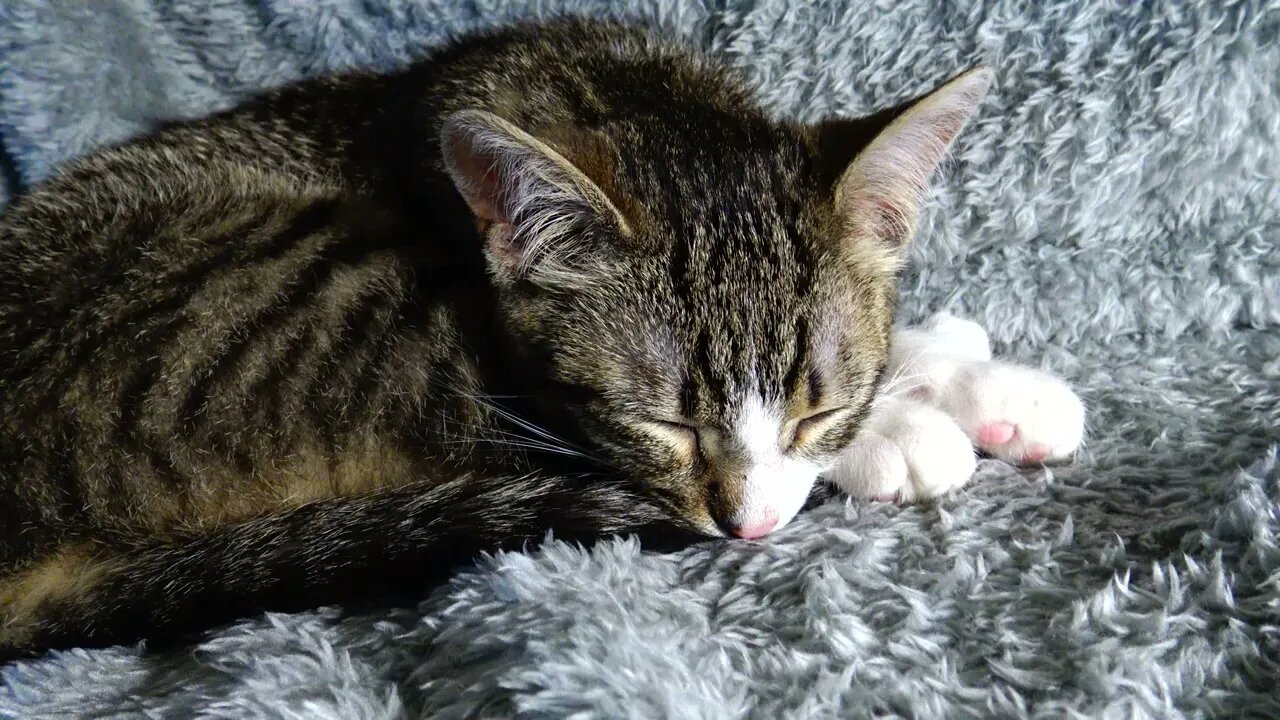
x: 725, y: 378
x: 714, y: 305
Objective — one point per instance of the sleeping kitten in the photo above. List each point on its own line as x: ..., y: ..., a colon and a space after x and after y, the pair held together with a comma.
x: 338, y: 340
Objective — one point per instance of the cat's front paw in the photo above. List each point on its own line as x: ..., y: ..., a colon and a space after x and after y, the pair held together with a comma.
x: 1017, y: 414
x: 907, y: 451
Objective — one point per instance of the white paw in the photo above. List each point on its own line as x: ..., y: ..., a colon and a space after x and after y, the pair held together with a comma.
x: 1014, y: 413
x: 957, y: 337
x: 906, y: 451
x: 924, y: 359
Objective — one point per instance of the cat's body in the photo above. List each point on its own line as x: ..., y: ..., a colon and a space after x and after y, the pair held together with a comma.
x: 351, y: 333
x: 285, y: 303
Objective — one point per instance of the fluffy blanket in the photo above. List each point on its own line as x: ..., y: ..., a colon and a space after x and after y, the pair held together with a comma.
x: 1113, y: 215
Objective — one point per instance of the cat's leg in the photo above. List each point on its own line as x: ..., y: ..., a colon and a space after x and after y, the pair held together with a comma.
x: 945, y: 396
x: 907, y: 451
x: 1015, y: 413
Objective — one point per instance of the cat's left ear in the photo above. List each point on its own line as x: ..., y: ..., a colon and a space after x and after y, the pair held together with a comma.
x: 879, y: 193
x: 541, y: 212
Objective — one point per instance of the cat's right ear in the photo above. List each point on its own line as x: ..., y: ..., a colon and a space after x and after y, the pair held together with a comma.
x: 539, y: 211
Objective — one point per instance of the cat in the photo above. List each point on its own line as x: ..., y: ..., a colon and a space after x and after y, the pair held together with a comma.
x: 336, y: 341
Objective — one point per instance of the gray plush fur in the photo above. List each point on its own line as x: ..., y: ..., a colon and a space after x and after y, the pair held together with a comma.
x: 1113, y: 215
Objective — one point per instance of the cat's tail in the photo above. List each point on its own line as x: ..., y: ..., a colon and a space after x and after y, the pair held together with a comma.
x: 338, y: 551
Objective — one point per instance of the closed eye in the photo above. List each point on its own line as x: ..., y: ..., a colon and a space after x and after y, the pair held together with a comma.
x: 810, y: 427
x: 677, y: 426
x: 686, y: 435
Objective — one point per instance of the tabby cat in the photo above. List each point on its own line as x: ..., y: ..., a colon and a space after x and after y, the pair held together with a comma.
x: 321, y: 347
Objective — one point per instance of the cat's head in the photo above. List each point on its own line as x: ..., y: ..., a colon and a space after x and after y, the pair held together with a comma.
x: 711, y: 290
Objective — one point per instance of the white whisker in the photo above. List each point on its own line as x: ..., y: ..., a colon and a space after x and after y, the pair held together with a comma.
x: 544, y: 440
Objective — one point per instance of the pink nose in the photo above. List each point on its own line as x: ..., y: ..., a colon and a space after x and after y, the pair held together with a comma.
x: 751, y: 531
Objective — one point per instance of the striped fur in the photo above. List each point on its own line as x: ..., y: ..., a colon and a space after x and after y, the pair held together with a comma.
x: 294, y: 354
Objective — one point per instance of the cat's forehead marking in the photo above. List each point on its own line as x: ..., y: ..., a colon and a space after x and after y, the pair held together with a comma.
x: 759, y: 428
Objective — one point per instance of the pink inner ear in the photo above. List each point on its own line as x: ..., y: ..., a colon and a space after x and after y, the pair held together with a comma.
x: 484, y: 189
x: 884, y: 218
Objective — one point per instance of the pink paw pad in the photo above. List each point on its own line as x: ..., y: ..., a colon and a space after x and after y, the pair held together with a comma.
x: 996, y: 433
x: 1038, y: 452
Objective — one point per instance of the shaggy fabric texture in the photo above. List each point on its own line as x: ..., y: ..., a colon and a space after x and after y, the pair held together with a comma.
x: 1113, y: 215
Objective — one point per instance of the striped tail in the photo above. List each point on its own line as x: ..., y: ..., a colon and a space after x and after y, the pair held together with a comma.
x: 338, y: 551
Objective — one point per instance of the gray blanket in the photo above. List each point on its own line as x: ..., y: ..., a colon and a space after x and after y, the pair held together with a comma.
x: 1113, y: 215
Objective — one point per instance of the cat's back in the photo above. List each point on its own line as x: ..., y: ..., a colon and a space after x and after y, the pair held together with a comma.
x: 190, y: 307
